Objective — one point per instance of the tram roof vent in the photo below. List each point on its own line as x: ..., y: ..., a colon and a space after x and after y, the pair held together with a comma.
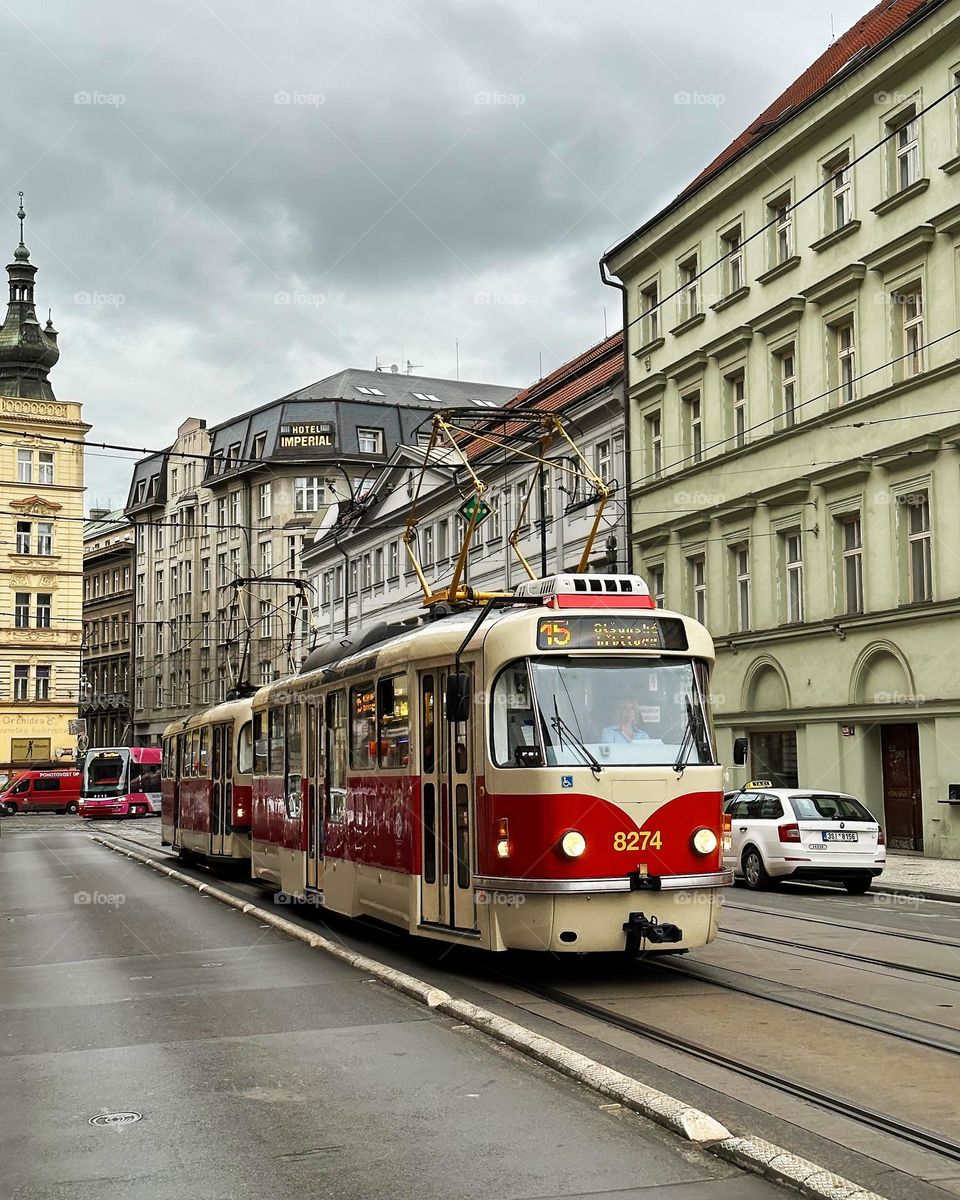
x: 590, y: 591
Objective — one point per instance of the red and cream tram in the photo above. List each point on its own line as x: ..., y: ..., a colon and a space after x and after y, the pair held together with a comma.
x: 205, y: 785
x: 538, y: 774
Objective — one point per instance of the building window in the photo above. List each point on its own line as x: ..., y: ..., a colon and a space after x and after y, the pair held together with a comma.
x: 235, y: 510
x: 603, y: 460
x: 852, y: 552
x: 781, y: 229
x: 307, y: 493
x: 786, y: 369
x: 338, y: 584
x: 428, y: 546
x: 264, y: 500
x: 920, y: 547
x: 44, y: 608
x: 910, y: 307
x: 41, y: 683
x: 221, y: 518
x: 370, y: 441
x: 840, y: 191
x: 24, y: 466
x: 732, y: 251
x: 741, y: 566
x: 266, y: 619
x: 21, y: 610
x: 45, y: 537
x: 650, y: 313
x: 654, y: 426
x: 24, y: 532
x: 378, y: 565
x: 393, y: 569
x: 20, y: 682
x: 846, y: 362
x: 737, y: 389
x: 366, y: 574
x: 694, y: 413
x: 354, y: 576
x: 690, y: 288
x: 793, y: 563
x: 266, y: 558
x: 259, y: 445
x: 655, y: 576
x: 907, y: 152
x: 697, y: 567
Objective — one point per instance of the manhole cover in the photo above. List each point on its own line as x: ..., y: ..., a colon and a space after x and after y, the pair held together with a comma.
x: 124, y: 1118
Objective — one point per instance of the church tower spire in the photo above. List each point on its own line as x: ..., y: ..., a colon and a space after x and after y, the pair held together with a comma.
x: 27, y: 352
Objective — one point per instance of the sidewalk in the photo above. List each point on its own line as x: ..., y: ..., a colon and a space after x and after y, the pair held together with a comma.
x: 914, y: 875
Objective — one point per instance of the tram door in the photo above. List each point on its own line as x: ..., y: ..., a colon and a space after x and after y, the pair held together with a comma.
x: 221, y: 790
x: 314, y: 792
x: 446, y: 811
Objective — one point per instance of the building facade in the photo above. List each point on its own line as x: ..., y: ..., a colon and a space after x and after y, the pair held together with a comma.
x: 794, y: 346
x: 41, y: 545
x: 358, y: 567
x: 222, y: 516
x: 106, y: 699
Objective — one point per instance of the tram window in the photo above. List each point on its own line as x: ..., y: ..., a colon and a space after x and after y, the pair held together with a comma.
x: 165, y: 766
x: 275, y: 743
x: 259, y: 743
x: 294, y: 771
x: 514, y: 725
x: 363, y: 727
x: 427, y: 739
x: 429, y: 833
x: 182, y: 756
x: 463, y: 835
x: 245, y: 748
x: 393, y: 714
x: 336, y: 756
x: 202, y: 750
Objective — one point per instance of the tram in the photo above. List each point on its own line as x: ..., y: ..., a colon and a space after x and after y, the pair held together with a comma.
x: 206, y: 783
x: 120, y: 781
x: 538, y: 774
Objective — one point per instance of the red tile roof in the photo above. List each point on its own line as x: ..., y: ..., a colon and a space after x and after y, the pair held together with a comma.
x: 880, y: 23
x: 574, y: 380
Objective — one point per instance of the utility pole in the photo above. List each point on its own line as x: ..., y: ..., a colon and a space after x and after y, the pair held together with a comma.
x: 543, y: 522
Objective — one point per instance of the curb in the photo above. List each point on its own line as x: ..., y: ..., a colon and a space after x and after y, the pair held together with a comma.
x: 750, y: 1153
x: 921, y: 893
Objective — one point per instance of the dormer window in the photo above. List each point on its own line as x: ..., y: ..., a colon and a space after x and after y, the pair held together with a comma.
x: 370, y: 441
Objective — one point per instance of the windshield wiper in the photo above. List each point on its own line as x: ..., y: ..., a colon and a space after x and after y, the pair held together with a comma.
x: 686, y: 744
x: 560, y: 727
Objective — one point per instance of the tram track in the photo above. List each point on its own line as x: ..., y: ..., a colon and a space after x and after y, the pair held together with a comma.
x: 847, y: 955
x: 879, y: 930
x: 896, y: 1128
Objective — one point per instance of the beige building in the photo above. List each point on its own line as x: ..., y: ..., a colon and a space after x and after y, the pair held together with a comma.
x: 41, y: 543
x: 793, y: 426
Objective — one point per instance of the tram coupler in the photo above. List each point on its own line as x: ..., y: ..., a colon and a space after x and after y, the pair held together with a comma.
x: 640, y: 928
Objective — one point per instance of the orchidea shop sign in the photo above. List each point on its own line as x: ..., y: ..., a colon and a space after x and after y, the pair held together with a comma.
x: 301, y: 436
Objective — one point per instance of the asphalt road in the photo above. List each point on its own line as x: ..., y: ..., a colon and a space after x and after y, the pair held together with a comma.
x: 260, y: 1068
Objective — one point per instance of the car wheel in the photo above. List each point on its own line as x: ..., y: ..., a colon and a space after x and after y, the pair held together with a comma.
x: 10, y: 808
x: 73, y: 807
x: 754, y: 872
x: 856, y: 887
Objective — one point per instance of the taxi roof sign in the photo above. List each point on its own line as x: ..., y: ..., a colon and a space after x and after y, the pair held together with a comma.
x: 758, y: 783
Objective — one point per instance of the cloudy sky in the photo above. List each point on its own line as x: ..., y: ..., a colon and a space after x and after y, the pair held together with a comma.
x: 229, y: 200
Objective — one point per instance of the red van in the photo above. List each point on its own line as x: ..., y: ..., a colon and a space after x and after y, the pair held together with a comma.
x: 42, y: 791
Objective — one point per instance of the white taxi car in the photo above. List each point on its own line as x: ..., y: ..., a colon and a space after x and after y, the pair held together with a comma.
x: 801, y: 833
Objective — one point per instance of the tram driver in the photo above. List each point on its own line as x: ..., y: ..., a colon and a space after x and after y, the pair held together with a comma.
x: 625, y: 730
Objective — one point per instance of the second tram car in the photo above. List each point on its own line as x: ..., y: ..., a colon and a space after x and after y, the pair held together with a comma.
x: 207, y: 761
x: 538, y: 775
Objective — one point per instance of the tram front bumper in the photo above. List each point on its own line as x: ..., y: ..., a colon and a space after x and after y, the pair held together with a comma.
x: 602, y: 915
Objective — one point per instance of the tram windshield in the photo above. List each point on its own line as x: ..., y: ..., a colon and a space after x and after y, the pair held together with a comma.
x: 576, y: 712
x: 105, y: 773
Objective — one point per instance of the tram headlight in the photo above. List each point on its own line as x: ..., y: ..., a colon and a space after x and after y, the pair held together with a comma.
x: 503, y: 848
x: 573, y: 843
x: 704, y: 841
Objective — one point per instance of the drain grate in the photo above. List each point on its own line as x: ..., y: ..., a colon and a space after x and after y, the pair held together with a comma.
x: 121, y: 1118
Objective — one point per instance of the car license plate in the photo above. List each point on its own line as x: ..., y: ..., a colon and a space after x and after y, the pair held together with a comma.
x: 835, y: 835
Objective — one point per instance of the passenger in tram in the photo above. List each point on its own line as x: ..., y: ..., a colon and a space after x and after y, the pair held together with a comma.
x: 626, y: 729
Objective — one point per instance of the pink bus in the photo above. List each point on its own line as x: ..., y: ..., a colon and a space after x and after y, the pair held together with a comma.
x: 121, y: 781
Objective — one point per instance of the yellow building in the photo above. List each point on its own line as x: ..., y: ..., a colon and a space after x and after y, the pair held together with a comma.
x: 41, y: 538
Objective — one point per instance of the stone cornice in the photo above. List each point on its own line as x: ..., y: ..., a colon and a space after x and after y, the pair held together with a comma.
x: 847, y: 279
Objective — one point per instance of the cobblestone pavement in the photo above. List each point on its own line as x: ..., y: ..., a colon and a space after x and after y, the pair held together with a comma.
x: 912, y: 870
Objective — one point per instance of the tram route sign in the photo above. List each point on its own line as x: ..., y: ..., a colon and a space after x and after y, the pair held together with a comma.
x: 610, y: 633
